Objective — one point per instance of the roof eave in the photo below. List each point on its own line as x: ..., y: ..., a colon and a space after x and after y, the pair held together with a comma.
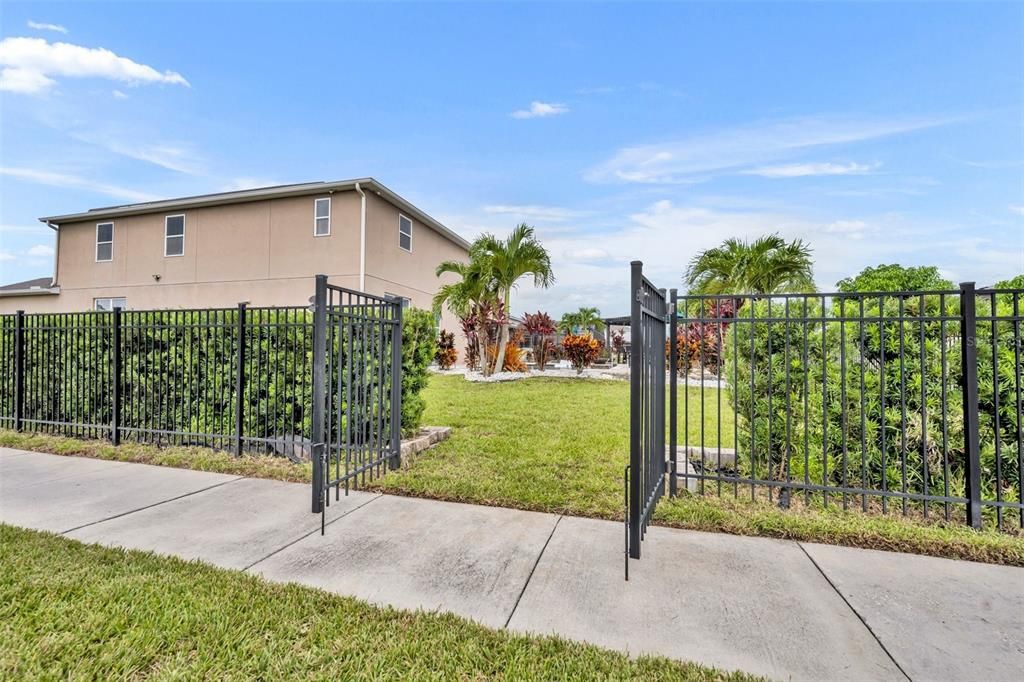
x: 304, y: 189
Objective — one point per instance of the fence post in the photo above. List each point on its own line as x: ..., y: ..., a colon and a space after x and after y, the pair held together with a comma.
x: 673, y: 392
x: 319, y: 390
x: 396, y: 387
x: 240, y: 380
x: 115, y: 378
x: 19, y: 369
x: 969, y: 358
x: 636, y: 333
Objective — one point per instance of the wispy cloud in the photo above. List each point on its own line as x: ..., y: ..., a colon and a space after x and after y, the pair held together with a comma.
x: 745, y: 147
x: 540, y: 110
x: 800, y: 170
x: 1019, y: 210
x: 65, y: 180
x: 32, y: 65
x: 4, y: 256
x: 172, y: 156
x: 41, y: 26
x: 535, y: 212
x: 119, y: 95
x: 40, y: 251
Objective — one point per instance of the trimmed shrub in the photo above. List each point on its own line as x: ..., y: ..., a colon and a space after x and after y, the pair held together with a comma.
x: 446, y: 354
x: 419, y: 346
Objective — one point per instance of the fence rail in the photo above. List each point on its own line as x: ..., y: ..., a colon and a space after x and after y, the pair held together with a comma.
x: 910, y: 400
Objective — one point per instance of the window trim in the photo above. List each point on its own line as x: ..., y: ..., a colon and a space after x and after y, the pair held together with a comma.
x: 109, y: 299
x: 316, y: 217
x: 96, y: 245
x: 400, y: 233
x: 182, y: 235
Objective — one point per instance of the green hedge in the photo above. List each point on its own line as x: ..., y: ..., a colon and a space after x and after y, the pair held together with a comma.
x: 179, y: 372
x: 887, y: 390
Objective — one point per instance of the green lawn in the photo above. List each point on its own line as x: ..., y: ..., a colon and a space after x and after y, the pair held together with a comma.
x: 74, y: 611
x: 547, y: 444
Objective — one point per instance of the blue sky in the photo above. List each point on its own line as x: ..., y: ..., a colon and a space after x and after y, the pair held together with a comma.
x: 877, y: 132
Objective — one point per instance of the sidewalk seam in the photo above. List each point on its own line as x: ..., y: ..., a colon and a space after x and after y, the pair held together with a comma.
x: 150, y: 506
x: 532, y: 569
x: 306, y: 535
x: 855, y: 612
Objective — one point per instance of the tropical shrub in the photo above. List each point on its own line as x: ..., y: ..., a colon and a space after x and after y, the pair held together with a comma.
x: 446, y: 353
x: 699, y: 343
x: 582, y: 350
x: 540, y: 327
x: 419, y: 346
x: 468, y: 324
x: 514, y: 357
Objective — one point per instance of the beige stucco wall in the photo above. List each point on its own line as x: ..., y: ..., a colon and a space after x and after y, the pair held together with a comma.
x: 391, y: 269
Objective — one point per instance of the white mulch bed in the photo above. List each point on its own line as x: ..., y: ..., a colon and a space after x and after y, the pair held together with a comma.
x: 617, y: 372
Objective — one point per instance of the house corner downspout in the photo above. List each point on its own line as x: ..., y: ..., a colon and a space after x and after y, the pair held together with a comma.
x: 362, y: 237
x: 56, y: 250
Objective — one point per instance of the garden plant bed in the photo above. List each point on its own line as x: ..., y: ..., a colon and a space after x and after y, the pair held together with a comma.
x: 111, y: 613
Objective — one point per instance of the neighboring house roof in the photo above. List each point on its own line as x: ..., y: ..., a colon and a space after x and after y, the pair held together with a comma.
x: 39, y: 285
x: 258, y: 194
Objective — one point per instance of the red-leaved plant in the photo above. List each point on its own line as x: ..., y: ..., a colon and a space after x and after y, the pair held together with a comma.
x: 540, y: 327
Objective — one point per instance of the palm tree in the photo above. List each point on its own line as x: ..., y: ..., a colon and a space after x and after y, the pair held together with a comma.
x: 506, y: 261
x: 769, y: 265
x: 584, y: 319
x: 474, y: 287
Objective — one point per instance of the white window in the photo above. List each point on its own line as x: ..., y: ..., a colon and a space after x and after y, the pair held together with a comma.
x: 104, y: 242
x: 404, y: 232
x: 322, y: 217
x: 174, y: 235
x: 109, y: 304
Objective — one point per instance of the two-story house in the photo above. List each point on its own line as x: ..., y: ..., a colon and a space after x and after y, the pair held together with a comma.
x: 262, y: 246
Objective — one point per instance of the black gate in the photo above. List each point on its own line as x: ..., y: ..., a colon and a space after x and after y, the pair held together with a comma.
x: 652, y: 315
x: 357, y: 389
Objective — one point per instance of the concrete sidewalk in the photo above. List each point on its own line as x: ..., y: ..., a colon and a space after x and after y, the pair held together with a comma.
x: 782, y: 609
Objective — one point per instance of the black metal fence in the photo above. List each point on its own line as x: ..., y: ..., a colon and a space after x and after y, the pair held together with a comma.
x: 646, y: 474
x: 905, y: 401
x: 239, y: 379
x: 231, y: 378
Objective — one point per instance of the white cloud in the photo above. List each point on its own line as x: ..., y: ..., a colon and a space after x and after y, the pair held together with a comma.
x: 175, y: 157
x: 30, y: 66
x: 665, y: 235
x: 1019, y: 210
x: 65, y: 180
x: 540, y: 110
x: 38, y: 228
x: 40, y: 26
x: 40, y: 251
x: 733, y: 149
x: 4, y: 256
x: 589, y: 254
x: 799, y: 170
x: 535, y: 212
x: 119, y: 95
x: 238, y: 184
x: 853, y: 229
